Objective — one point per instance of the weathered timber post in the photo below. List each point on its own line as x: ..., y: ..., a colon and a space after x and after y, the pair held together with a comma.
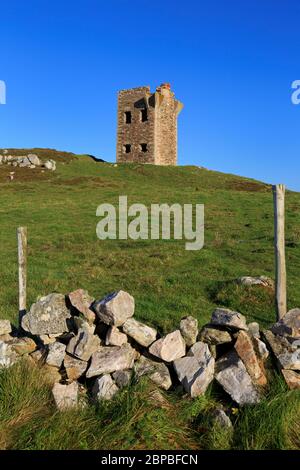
x: 22, y: 262
x: 278, y: 195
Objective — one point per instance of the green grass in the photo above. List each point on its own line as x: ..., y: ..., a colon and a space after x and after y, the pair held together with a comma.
x: 167, y: 282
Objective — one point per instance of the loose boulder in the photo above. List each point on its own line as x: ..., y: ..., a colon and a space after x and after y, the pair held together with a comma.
x: 115, y: 308
x: 5, y: 327
x: 47, y: 316
x: 245, y: 349
x: 169, y: 348
x: 189, y: 330
x: 115, y: 337
x: 104, y: 388
x: 84, y: 344
x: 109, y: 359
x: 289, y: 325
x: 230, y: 319
x: 56, y: 354
x: 214, y: 335
x: 122, y: 377
x: 142, y: 334
x: 22, y: 345
x: 157, y: 372
x: 74, y: 367
x: 292, y: 379
x: 194, y: 376
x: 82, y: 301
x: 8, y: 356
x: 232, y: 375
x: 65, y: 396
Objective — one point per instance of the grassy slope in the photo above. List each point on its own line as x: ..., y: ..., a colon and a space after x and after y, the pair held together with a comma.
x: 167, y: 281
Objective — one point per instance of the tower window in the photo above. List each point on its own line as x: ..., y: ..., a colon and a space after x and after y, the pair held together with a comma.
x: 127, y: 117
x: 144, y: 147
x: 144, y: 115
x: 127, y: 148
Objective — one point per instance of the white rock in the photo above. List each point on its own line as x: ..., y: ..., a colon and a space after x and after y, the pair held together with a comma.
x: 169, y: 348
x: 50, y: 165
x: 189, y: 330
x: 65, y: 396
x: 109, y: 359
x: 234, y: 378
x: 104, y: 388
x: 115, y: 308
x: 34, y: 159
x: 157, y: 372
x: 74, y: 367
x: 142, y: 334
x: 115, y: 337
x: 84, y: 344
x: 5, y: 327
x: 228, y: 318
x: 56, y: 354
x: 196, y: 371
x: 47, y: 316
x: 8, y: 357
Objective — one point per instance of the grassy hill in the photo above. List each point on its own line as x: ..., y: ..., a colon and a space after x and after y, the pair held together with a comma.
x: 168, y: 282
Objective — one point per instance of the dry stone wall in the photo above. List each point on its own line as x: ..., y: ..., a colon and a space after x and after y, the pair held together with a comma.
x: 90, y: 349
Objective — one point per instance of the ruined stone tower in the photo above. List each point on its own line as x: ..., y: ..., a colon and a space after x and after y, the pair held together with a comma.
x: 147, y: 125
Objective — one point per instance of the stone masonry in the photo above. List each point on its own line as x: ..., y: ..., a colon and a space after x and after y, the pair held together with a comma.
x: 147, y: 125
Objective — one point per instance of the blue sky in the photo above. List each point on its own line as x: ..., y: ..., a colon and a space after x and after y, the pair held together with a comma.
x: 231, y: 62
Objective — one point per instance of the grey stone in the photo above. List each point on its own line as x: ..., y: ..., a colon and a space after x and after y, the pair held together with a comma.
x: 56, y: 354
x: 104, y: 388
x: 5, y: 327
x: 169, y: 348
x: 47, y: 316
x: 157, y: 372
x: 82, y: 301
x: 22, y: 345
x: 74, y: 367
x: 111, y: 358
x: 194, y: 376
x: 221, y: 418
x: 225, y: 317
x: 214, y: 335
x: 234, y: 378
x: 34, y: 159
x: 289, y: 325
x: 189, y: 330
x: 142, y: 334
x: 8, y: 356
x: 84, y: 344
x: 253, y: 329
x: 50, y: 165
x: 47, y: 339
x: 263, y: 281
x: 115, y: 337
x: 115, y: 308
x: 201, y: 352
x: 288, y: 356
x: 261, y: 349
x: 122, y: 377
x: 65, y: 396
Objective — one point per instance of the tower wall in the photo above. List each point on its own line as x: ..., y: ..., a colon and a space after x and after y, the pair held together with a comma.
x: 147, y: 126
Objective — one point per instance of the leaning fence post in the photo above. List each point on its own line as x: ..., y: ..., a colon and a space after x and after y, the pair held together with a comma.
x: 278, y: 196
x: 22, y: 262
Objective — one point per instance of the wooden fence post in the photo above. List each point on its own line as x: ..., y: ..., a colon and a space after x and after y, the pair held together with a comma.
x: 22, y: 262
x: 278, y: 195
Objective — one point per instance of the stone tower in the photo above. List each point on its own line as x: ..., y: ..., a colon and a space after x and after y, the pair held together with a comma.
x: 147, y: 125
